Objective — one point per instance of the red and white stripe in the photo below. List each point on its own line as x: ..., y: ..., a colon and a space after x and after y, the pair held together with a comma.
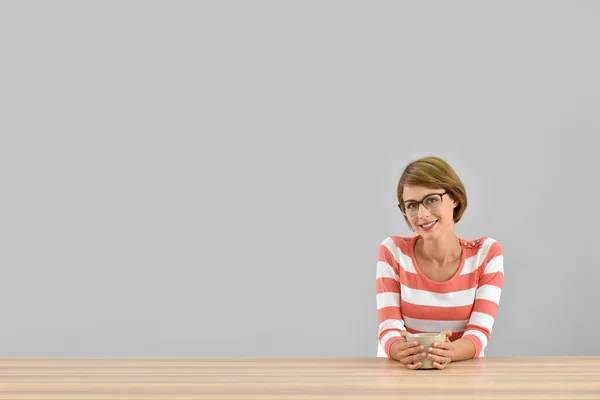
x: 466, y: 304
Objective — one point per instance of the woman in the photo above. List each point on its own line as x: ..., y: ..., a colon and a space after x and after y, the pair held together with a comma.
x: 436, y: 281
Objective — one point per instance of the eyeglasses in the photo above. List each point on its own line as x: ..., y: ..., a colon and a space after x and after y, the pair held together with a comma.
x: 431, y: 202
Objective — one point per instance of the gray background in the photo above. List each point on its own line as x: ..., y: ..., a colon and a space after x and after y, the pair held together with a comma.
x: 215, y: 178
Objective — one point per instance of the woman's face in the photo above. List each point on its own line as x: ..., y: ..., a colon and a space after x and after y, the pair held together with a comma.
x: 436, y: 217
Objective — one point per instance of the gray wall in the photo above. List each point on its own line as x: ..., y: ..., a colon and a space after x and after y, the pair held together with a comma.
x: 214, y: 178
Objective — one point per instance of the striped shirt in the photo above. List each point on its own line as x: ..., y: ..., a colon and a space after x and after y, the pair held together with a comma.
x: 466, y: 304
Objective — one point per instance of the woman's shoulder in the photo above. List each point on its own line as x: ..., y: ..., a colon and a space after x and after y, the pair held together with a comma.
x: 401, y: 242
x: 485, y: 247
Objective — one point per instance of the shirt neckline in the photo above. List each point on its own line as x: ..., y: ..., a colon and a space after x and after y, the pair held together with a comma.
x: 463, y: 257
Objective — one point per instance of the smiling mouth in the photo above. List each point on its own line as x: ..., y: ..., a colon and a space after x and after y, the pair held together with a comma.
x: 428, y: 225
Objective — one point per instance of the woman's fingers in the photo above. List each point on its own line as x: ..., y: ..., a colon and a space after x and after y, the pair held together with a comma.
x: 409, y: 351
x: 442, y: 351
x: 440, y: 359
x: 440, y: 354
x: 439, y: 365
x: 414, y: 366
x: 413, y: 359
x: 442, y: 346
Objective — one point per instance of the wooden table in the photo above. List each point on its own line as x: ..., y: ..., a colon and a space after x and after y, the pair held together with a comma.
x: 298, y: 378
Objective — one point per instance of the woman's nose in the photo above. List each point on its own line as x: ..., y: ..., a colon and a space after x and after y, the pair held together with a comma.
x: 423, y: 211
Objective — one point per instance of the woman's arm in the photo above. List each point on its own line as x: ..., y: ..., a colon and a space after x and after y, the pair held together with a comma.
x: 464, y: 349
x: 487, y: 299
x: 387, y: 287
x: 481, y: 321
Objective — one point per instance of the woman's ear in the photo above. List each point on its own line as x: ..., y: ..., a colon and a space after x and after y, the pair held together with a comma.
x: 454, y: 202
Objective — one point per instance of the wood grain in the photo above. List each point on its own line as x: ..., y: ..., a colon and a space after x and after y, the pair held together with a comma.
x: 297, y: 378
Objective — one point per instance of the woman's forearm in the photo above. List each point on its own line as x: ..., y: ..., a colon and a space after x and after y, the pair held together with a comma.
x: 464, y: 349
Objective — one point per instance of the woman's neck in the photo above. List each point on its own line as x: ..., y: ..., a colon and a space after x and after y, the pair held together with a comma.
x: 440, y: 251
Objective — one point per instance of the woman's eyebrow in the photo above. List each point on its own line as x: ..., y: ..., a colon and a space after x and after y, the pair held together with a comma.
x: 429, y: 194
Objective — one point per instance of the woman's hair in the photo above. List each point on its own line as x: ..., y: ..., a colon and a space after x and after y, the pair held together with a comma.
x: 433, y: 172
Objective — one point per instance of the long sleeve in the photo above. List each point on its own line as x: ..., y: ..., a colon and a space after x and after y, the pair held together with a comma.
x: 487, y: 299
x: 388, y: 297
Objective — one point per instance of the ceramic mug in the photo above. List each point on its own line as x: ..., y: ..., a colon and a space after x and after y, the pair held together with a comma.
x: 426, y: 340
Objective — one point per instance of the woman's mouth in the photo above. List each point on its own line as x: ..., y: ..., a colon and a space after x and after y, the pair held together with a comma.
x: 428, y: 226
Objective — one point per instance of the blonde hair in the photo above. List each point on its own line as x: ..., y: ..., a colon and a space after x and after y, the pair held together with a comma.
x: 434, y: 172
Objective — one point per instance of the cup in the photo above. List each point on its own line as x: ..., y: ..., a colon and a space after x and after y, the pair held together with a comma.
x: 426, y: 340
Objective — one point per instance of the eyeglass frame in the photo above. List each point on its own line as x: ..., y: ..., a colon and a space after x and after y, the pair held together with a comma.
x: 421, y: 202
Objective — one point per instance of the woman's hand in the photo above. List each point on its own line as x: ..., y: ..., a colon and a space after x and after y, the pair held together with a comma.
x: 408, y: 353
x: 441, y: 353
